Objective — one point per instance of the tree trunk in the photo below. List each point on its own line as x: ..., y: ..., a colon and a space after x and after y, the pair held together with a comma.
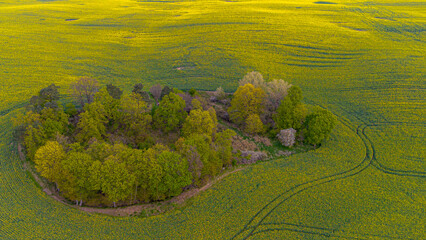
x: 114, y: 204
x: 81, y: 202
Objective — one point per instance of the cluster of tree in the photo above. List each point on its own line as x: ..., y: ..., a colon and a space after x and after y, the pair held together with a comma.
x: 116, y: 171
x: 149, y: 146
x: 258, y: 106
x: 115, y: 146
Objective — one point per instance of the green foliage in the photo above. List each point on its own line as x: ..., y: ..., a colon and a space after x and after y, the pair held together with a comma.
x: 295, y: 94
x: 152, y: 172
x: 114, y: 91
x: 166, y: 91
x: 289, y: 115
x: 254, y: 125
x: 111, y: 105
x: 76, y: 168
x: 117, y: 182
x: 46, y: 98
x: 247, y: 100
x: 170, y: 114
x: 319, y: 125
x: 223, y: 144
x: 175, y: 173
x: 199, y: 122
x: 201, y: 154
x: 70, y: 109
x: 192, y: 92
x: 53, y: 122
x: 96, y: 176
x: 138, y: 89
x: 92, y: 122
x: 40, y: 127
x: 48, y: 160
x: 33, y: 139
x: 135, y: 117
x: 196, y: 104
x: 213, y: 115
x: 99, y: 150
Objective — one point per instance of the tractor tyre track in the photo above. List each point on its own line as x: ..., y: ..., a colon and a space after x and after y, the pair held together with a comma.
x: 263, y: 213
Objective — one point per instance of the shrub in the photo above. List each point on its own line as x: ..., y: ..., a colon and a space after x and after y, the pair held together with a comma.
x: 287, y: 137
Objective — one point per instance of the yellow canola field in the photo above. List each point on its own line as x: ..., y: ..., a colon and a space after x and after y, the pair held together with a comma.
x: 364, y: 61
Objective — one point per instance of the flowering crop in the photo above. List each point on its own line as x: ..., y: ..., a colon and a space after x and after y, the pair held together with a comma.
x: 362, y: 61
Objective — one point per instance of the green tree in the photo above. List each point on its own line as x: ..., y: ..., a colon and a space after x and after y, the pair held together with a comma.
x: 138, y: 89
x: 99, y: 150
x: 70, y: 109
x: 111, y: 105
x: 96, y: 176
x: 198, y: 122
x: 319, y: 125
x: 34, y: 138
x: 247, y: 100
x: 48, y: 160
x: 292, y: 112
x: 46, y: 98
x: 76, y: 167
x: 117, y: 181
x: 53, y: 122
x: 192, y: 92
x: 153, y: 172
x: 176, y: 174
x: 40, y: 127
x: 114, y: 91
x: 137, y: 165
x: 295, y: 94
x: 92, y: 122
x: 196, y: 104
x: 223, y: 145
x: 166, y: 91
x: 254, y: 125
x: 135, y: 117
x: 199, y: 147
x: 170, y: 114
x: 213, y: 115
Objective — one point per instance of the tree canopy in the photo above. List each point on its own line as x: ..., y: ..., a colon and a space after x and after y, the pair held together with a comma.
x: 170, y: 114
x: 247, y: 100
x: 319, y: 125
x: 124, y: 148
